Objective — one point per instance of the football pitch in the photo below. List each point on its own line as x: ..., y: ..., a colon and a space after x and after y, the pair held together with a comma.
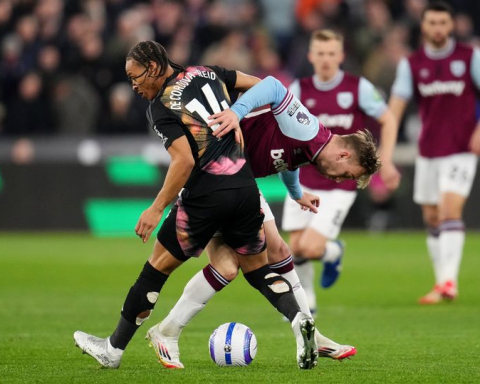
x: 54, y: 284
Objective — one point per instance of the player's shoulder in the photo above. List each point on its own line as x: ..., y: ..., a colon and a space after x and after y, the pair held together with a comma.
x: 351, y: 79
x: 158, y: 110
x: 463, y: 48
x: 305, y: 81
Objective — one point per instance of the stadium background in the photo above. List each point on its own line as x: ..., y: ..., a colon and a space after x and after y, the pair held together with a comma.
x: 75, y: 149
x: 76, y: 155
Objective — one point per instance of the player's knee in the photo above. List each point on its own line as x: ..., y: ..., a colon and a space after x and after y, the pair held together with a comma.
x: 310, y: 250
x: 431, y: 220
x: 230, y: 273
x: 228, y: 270
x: 267, y: 281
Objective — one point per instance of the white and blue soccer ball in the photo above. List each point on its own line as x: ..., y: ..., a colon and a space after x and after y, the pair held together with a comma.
x: 232, y: 345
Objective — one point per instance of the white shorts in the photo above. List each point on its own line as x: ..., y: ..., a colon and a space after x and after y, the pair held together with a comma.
x: 266, y: 209
x: 334, y: 207
x: 438, y: 175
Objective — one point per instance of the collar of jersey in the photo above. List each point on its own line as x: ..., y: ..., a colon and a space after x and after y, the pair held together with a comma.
x: 330, y: 84
x: 437, y: 54
x: 167, y: 80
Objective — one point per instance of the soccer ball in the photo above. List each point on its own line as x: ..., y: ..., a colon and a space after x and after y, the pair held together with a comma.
x: 232, y: 344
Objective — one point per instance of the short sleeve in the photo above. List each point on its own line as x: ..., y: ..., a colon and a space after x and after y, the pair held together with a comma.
x: 295, y: 89
x: 228, y: 76
x: 165, y: 123
x: 475, y: 67
x: 370, y: 101
x: 403, y: 85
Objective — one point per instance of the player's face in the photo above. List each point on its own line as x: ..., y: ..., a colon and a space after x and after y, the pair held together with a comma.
x: 437, y: 27
x: 144, y: 81
x: 340, y: 167
x: 326, y: 57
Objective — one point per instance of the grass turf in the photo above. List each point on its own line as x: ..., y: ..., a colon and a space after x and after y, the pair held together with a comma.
x: 54, y: 284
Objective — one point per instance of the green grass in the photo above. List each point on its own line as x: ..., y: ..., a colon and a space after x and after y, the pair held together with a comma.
x: 54, y: 284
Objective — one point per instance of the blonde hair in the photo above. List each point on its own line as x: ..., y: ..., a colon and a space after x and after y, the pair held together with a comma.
x: 326, y: 35
x: 364, y: 147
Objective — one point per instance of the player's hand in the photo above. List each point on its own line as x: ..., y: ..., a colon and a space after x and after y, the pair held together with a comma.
x: 390, y: 176
x: 223, y: 122
x: 475, y: 142
x: 309, y: 202
x: 147, y: 223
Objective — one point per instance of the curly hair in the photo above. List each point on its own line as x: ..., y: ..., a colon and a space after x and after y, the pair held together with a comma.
x: 365, y: 150
x: 147, y: 51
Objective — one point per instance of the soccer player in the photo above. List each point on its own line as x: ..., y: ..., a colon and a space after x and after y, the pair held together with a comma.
x: 342, y: 102
x: 282, y: 139
x: 442, y: 75
x: 219, y: 191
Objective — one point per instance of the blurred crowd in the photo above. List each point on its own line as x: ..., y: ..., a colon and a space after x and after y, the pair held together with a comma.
x: 62, y: 61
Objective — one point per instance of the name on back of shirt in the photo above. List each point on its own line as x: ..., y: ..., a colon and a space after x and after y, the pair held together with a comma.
x: 180, y: 85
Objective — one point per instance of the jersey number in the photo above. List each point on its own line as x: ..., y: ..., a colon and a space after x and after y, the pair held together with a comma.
x: 196, y: 106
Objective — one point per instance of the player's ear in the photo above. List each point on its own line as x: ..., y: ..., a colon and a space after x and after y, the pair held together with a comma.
x: 344, y: 155
x: 152, y: 69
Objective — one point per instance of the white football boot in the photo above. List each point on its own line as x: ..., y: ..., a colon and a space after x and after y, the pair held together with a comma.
x: 100, y: 349
x: 166, y: 348
x: 304, y: 329
x: 329, y: 348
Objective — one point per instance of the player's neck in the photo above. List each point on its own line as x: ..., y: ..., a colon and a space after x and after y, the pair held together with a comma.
x: 325, y: 84
x: 438, y: 51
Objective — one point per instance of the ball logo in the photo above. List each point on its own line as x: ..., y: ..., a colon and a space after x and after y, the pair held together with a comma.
x: 303, y: 118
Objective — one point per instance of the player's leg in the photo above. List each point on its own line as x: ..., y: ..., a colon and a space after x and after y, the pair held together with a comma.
x: 319, y: 240
x: 139, y: 303
x: 280, y: 261
x: 198, y: 291
x: 457, y: 173
x: 280, y: 258
x: 294, y: 221
x: 427, y: 195
x: 278, y: 291
x: 246, y: 235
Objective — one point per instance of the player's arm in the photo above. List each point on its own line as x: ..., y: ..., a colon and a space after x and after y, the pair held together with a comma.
x: 267, y: 92
x: 475, y: 139
x: 475, y: 72
x: 372, y: 104
x: 244, y: 82
x: 307, y: 201
x: 182, y: 162
x: 181, y: 166
x: 388, y: 140
x: 402, y: 90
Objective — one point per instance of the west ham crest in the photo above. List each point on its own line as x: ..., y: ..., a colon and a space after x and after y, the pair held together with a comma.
x: 345, y: 99
x: 457, y: 67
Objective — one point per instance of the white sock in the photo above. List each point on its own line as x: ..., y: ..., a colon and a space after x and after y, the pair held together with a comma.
x: 323, y: 341
x: 195, y: 296
x: 111, y: 350
x: 433, y: 245
x: 298, y: 291
x: 452, y: 239
x: 332, y: 251
x: 306, y: 273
